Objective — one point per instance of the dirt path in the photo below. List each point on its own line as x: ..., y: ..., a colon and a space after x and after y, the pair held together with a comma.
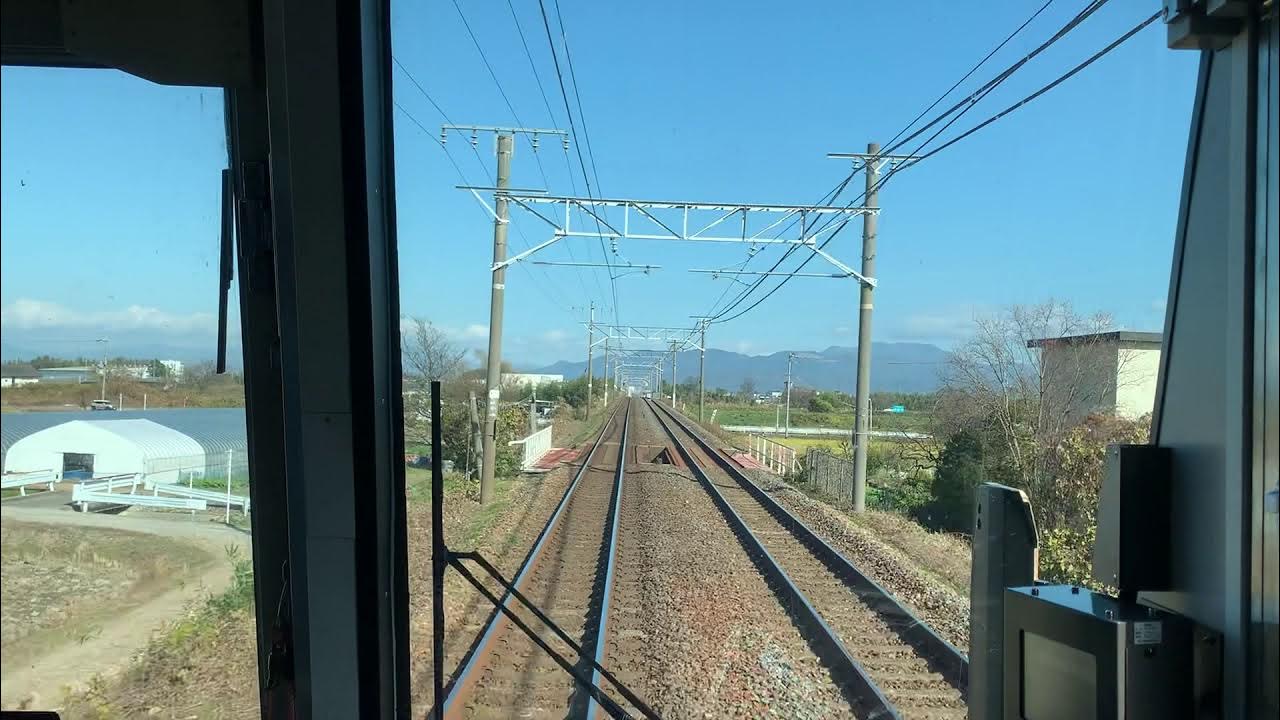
x: 44, y: 681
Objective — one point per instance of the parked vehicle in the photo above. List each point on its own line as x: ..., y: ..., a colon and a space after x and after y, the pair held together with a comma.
x: 101, y: 405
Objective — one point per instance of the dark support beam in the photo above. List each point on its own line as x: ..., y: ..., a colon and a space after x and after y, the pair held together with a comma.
x: 171, y: 42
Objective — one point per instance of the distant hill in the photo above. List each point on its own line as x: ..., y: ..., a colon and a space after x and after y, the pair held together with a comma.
x: 895, y: 367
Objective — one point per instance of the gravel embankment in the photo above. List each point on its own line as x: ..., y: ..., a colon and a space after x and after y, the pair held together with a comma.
x: 696, y: 632
x: 944, y: 610
x: 933, y: 601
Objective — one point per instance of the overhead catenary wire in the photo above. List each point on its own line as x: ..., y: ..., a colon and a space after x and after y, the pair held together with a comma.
x: 546, y: 103
x: 501, y: 91
x: 546, y: 23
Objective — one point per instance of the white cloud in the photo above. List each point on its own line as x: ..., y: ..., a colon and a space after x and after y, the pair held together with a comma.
x: 28, y: 314
x: 944, y: 327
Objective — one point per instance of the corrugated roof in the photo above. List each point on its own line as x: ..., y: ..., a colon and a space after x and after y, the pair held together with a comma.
x: 215, y: 429
x: 155, y: 440
x: 1127, y: 336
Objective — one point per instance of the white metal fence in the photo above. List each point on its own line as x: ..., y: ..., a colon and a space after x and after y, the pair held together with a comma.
x: 24, y: 480
x: 775, y: 456
x: 535, y: 446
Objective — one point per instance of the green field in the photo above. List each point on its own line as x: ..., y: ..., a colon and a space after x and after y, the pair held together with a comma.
x: 766, y: 415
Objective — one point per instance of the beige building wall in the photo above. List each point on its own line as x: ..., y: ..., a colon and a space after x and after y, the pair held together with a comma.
x: 1078, y: 380
x: 1137, y: 369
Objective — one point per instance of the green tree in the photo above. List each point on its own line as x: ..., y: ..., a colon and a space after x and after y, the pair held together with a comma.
x: 958, y: 473
x: 822, y: 403
x: 157, y: 369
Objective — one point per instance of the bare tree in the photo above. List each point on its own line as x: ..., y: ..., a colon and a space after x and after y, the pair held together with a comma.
x: 747, y: 390
x: 1027, y: 376
x: 428, y: 355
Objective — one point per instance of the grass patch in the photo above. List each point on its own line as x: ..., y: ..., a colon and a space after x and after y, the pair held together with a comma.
x: 203, y: 665
x: 945, y: 556
x: 767, y: 416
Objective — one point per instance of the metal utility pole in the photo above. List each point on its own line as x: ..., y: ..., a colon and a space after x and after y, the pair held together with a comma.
x: 494, y: 372
x: 591, y: 322
x: 786, y: 428
x: 865, y: 305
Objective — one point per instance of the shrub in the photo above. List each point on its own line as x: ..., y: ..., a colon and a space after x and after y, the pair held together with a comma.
x: 959, y: 472
x: 1066, y: 555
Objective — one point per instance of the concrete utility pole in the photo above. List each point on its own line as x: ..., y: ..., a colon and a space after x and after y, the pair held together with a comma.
x: 494, y: 372
x: 606, y: 372
x: 786, y: 428
x: 477, y: 434
x: 533, y: 409
x: 104, y: 342
x: 591, y: 326
x: 673, y: 375
x: 862, y: 402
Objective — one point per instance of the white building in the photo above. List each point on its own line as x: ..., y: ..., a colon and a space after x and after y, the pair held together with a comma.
x: 1113, y: 373
x: 175, y: 368
x: 95, y: 448
x: 535, y: 379
x: 14, y: 375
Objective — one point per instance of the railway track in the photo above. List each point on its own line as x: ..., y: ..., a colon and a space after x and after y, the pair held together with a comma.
x: 569, y: 575
x: 893, y: 665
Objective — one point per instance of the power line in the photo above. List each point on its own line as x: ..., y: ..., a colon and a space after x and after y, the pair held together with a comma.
x: 967, y: 104
x: 532, y: 65
x: 1012, y: 108
x: 546, y: 23
x: 485, y: 59
x: 1061, y: 79
x: 537, y: 78
x: 972, y: 70
x: 1008, y: 72
x: 558, y: 302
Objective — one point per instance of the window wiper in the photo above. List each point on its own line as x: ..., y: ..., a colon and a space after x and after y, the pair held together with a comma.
x: 225, y: 268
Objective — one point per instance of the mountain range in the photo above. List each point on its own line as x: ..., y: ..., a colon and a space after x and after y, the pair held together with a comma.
x: 895, y: 367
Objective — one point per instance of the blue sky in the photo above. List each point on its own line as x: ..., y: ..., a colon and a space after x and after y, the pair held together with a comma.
x: 109, y: 183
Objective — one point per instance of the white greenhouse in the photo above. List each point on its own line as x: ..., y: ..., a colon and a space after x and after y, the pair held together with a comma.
x: 96, y: 448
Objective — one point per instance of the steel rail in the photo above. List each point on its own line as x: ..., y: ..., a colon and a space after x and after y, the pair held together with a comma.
x: 473, y: 663
x: 610, y: 555
x: 944, y: 657
x: 859, y: 689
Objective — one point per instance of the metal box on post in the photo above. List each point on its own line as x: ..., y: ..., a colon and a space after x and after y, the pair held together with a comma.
x: 1005, y: 553
x: 1074, y: 654
x: 1132, y: 547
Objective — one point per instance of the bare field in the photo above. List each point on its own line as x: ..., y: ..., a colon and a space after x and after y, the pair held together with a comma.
x: 62, y: 586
